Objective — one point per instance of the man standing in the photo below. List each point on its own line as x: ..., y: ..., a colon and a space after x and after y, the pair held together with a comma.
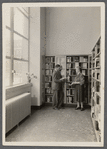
x: 56, y: 80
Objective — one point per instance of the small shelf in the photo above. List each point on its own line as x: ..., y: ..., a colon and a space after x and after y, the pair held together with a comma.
x: 49, y: 68
x: 48, y: 94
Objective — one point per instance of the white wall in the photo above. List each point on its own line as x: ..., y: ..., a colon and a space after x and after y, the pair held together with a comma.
x: 42, y: 54
x: 71, y: 30
x: 35, y: 53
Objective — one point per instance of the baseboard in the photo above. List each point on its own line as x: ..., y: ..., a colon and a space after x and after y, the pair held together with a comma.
x: 37, y: 107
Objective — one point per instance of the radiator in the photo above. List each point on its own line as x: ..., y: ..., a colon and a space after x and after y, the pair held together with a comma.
x: 17, y: 108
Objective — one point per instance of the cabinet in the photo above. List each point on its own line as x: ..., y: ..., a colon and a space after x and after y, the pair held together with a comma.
x: 96, y: 87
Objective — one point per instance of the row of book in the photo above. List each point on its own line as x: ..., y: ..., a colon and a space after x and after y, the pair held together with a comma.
x: 70, y: 92
x: 72, y: 59
x: 74, y: 65
x: 49, y: 72
x: 48, y: 91
x: 77, y: 58
x: 50, y: 66
x: 49, y: 60
x: 48, y: 78
x: 71, y: 72
x: 48, y: 98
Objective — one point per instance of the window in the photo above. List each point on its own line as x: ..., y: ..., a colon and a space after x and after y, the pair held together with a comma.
x: 17, y: 45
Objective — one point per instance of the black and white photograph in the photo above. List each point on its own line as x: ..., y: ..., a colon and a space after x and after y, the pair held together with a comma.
x: 53, y: 74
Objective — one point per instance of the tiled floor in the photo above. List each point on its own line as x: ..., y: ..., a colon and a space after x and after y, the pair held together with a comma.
x: 64, y: 125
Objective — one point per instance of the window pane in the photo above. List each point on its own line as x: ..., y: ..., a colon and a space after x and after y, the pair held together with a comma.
x: 20, y: 23
x: 24, y: 10
x: 21, y: 68
x: 7, y: 16
x: 20, y: 47
x: 8, y: 42
x: 7, y: 77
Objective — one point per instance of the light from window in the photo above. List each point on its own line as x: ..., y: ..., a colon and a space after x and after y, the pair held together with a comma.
x: 21, y: 68
x: 20, y: 47
x: 7, y: 42
x: 20, y: 23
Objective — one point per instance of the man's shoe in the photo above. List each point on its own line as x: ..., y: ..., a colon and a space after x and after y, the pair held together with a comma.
x: 82, y: 109
x: 77, y: 108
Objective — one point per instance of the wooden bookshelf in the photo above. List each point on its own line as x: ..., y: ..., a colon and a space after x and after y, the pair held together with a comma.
x: 89, y: 78
x: 72, y: 61
x: 49, y: 66
x: 96, y: 87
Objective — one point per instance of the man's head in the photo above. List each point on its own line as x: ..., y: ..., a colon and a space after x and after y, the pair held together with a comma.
x: 57, y: 67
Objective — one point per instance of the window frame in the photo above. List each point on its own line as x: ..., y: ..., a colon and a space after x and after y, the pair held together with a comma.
x: 12, y: 32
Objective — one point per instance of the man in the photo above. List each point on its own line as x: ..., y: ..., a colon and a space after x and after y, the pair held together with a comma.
x: 61, y: 93
x: 56, y: 80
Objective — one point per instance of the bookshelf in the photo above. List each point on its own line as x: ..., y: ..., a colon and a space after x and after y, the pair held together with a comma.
x: 95, y: 93
x: 72, y: 61
x: 49, y: 66
x: 89, y: 78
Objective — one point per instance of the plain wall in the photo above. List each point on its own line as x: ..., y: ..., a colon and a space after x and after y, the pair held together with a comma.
x: 35, y: 54
x: 42, y: 54
x: 72, y: 30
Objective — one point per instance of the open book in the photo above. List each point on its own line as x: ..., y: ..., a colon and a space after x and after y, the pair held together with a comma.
x: 63, y: 78
x: 75, y: 83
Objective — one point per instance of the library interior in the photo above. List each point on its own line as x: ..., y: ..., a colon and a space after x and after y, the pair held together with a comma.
x: 48, y: 39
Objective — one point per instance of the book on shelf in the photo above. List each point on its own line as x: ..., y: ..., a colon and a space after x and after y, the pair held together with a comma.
x: 84, y: 65
x: 47, y: 85
x: 68, y: 59
x: 68, y: 92
x: 69, y: 71
x: 84, y: 72
x: 46, y: 78
x: 68, y: 65
x: 74, y: 72
x: 83, y: 59
x: 47, y: 60
x: 52, y: 59
x: 76, y: 64
x: 69, y: 99
x: 73, y: 65
x: 47, y: 66
x: 76, y: 58
x: 47, y: 72
x: 48, y: 99
x: 48, y: 90
x: 51, y: 66
x: 50, y: 72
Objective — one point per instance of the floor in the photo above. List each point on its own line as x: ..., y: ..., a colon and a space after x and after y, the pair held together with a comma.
x: 48, y: 125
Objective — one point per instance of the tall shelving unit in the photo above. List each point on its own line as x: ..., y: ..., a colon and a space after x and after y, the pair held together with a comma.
x: 96, y: 86
x: 49, y: 66
x: 89, y: 78
x: 72, y: 61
